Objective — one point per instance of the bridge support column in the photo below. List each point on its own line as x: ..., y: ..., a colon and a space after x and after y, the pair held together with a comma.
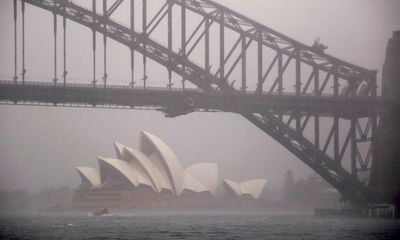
x: 183, y: 35
x: 336, y: 81
x: 353, y: 150
x: 244, y: 64
x: 298, y: 73
x: 132, y: 15
x: 169, y: 42
x: 105, y: 46
x: 15, y: 43
x: 316, y: 116
x: 336, y: 138
x: 207, y: 44
x: 316, y: 131
x: 280, y: 73
x: 222, y: 50
x: 385, y: 176
x: 55, y: 79
x: 94, y: 42
x: 144, y: 29
x: 260, y: 63
x: 65, y: 48
x: 23, y: 42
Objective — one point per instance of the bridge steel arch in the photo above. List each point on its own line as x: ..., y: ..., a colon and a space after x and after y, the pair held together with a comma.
x: 359, y: 83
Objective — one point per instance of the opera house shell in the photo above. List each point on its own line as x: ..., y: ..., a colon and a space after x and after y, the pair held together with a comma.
x: 252, y: 188
x: 154, y: 171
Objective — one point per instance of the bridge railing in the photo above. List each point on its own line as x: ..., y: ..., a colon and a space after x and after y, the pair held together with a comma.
x: 89, y: 85
x: 161, y: 89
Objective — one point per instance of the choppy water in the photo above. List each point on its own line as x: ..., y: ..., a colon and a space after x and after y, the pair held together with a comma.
x: 194, y: 226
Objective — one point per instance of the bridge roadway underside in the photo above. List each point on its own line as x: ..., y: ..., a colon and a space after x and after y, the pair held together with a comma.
x: 176, y: 101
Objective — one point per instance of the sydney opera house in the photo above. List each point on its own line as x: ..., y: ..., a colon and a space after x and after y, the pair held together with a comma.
x: 153, y: 176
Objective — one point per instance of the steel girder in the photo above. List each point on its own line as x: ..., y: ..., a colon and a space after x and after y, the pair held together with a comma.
x: 125, y: 36
x: 325, y: 166
x: 249, y: 31
x: 277, y: 41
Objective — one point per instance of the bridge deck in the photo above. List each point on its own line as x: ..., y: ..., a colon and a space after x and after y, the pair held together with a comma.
x: 114, y: 96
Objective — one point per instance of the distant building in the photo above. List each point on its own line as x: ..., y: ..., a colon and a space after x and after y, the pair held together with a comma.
x: 313, y: 191
x: 151, y: 175
x: 288, y: 185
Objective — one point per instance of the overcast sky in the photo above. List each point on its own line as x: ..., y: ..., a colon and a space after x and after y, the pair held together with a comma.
x: 39, y: 147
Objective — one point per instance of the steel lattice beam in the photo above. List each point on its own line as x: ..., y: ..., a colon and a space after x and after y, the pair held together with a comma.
x: 309, y: 154
x: 276, y: 40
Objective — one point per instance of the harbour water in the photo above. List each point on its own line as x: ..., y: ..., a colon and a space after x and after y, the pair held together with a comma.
x: 194, y: 226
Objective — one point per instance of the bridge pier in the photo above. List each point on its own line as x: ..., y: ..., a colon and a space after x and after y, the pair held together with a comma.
x: 385, y: 175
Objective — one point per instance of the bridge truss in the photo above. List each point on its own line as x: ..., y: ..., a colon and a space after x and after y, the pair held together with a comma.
x: 294, y: 85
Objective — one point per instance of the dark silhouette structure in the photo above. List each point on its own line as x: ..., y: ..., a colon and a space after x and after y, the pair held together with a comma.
x: 385, y: 177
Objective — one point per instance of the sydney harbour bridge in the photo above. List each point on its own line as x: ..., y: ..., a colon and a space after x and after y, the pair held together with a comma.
x: 230, y: 63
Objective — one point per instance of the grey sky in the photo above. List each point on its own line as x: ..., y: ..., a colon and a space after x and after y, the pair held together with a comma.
x: 39, y: 147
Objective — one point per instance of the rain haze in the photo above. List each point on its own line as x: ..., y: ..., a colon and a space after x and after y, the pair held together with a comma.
x: 229, y: 178
x: 40, y: 146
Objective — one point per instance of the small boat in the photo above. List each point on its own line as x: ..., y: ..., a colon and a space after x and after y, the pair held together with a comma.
x: 100, y: 212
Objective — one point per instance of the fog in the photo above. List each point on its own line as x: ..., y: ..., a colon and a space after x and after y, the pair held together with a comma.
x: 40, y: 146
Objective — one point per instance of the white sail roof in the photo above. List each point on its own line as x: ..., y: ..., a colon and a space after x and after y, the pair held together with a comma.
x: 251, y: 187
x: 193, y: 185
x: 232, y: 187
x: 156, y: 166
x: 126, y: 170
x: 206, y: 174
x: 162, y: 176
x: 118, y: 150
x: 89, y: 175
x: 150, y: 144
x: 144, y: 165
